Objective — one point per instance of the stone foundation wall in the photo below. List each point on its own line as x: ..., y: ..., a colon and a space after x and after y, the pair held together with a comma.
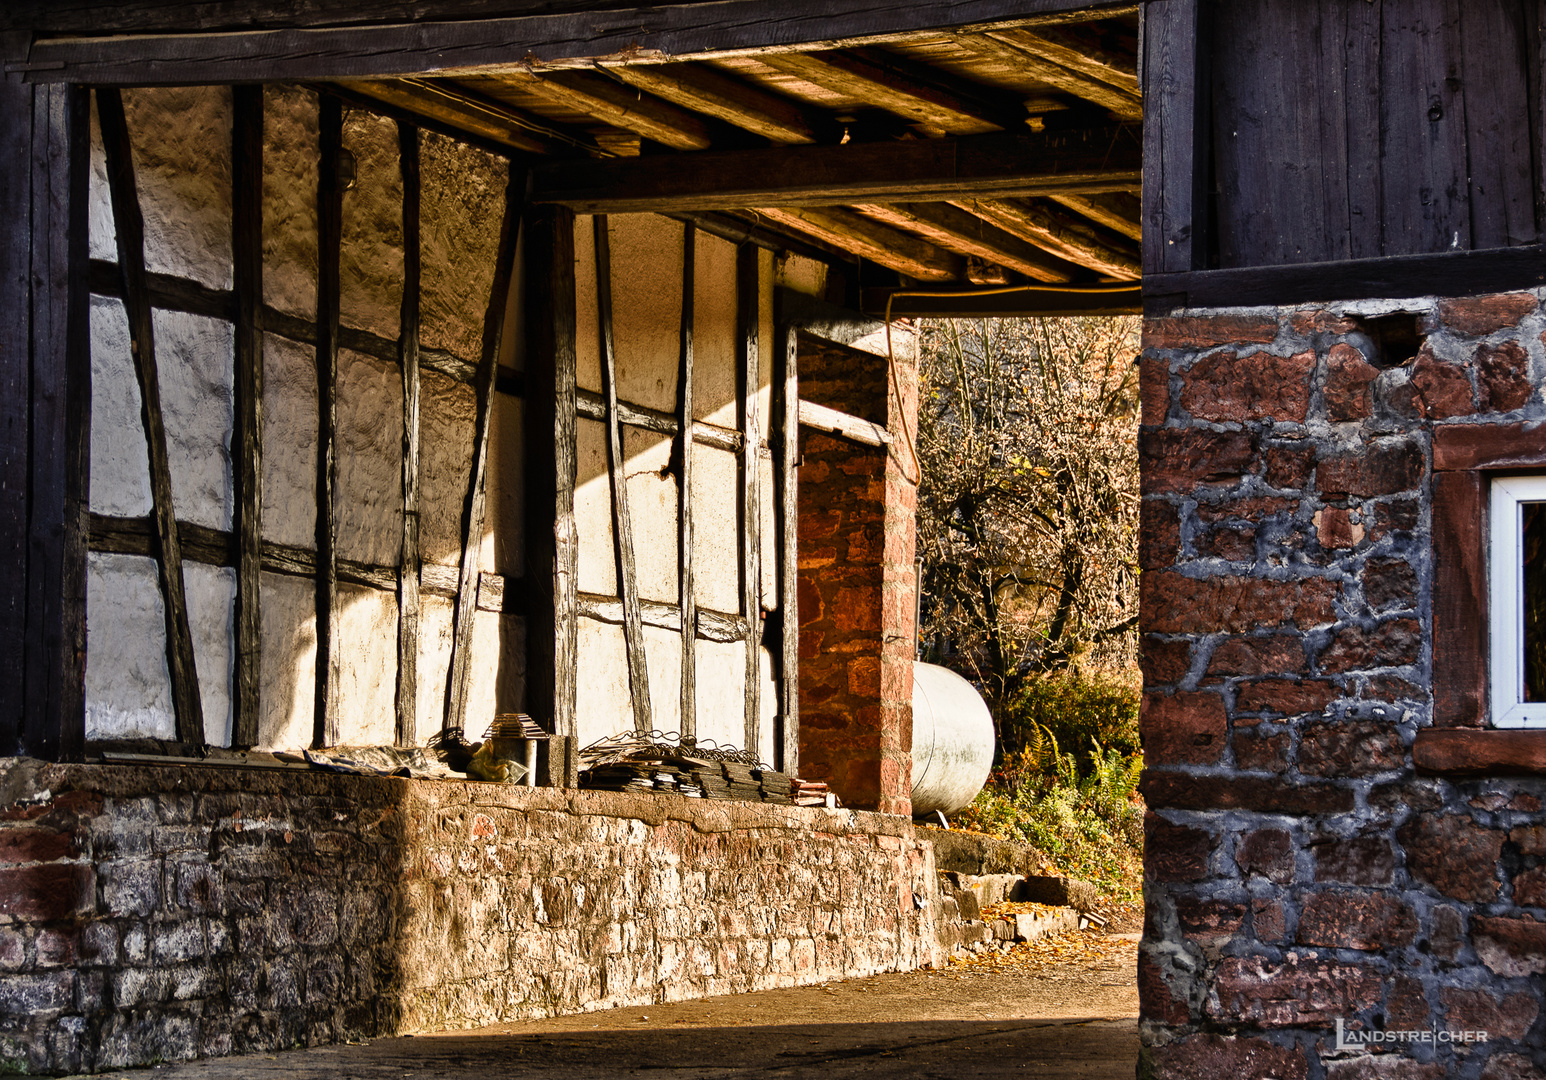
x: 172, y: 912
x: 1302, y: 597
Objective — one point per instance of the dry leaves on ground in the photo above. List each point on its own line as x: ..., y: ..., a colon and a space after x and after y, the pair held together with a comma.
x: 1091, y: 950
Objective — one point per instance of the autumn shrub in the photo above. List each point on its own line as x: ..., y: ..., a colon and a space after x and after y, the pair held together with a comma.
x: 1067, y: 778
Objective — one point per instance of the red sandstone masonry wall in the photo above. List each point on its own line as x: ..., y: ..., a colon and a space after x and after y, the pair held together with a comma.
x: 858, y: 508
x: 1298, y: 868
x: 176, y: 912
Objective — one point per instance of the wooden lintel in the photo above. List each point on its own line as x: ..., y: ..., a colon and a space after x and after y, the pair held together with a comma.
x: 129, y: 226
x: 459, y: 683
x: 1065, y: 235
x: 247, y: 436
x: 900, y: 251
x: 916, y: 170
x: 408, y: 608
x: 622, y: 521
x: 330, y: 212
x: 469, y: 41
x: 685, y: 421
x: 1027, y: 302
x: 956, y: 230
x: 834, y: 422
x: 723, y: 97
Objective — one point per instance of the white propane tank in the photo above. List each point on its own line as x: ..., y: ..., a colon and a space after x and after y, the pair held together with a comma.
x: 952, y: 740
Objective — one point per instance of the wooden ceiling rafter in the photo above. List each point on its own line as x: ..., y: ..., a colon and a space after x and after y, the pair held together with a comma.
x: 956, y: 230
x: 466, y: 109
x: 994, y: 46
x: 929, y: 98
x: 716, y: 94
x: 621, y: 106
x: 1076, y: 49
x: 880, y: 244
x: 1063, y: 234
x: 1120, y: 211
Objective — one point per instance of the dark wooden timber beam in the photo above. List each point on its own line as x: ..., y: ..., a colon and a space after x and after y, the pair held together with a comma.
x: 784, y: 438
x: 459, y: 684
x: 748, y: 320
x: 1077, y: 48
x: 1063, y: 234
x: 716, y: 94
x: 912, y: 91
x: 330, y: 212
x: 129, y: 226
x: 408, y: 607
x: 247, y: 438
x: 279, y: 50
x: 685, y: 420
x: 891, y: 248
x: 599, y: 96
x: 956, y: 230
x: 1120, y: 211
x: 465, y: 111
x: 1038, y: 301
x: 622, y: 520
x: 914, y: 170
x: 992, y: 47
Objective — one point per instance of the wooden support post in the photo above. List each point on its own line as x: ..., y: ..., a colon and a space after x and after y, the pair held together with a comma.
x: 330, y: 212
x: 1175, y: 174
x: 459, y: 685
x: 247, y: 469
x: 130, y: 228
x: 408, y: 361
x: 748, y: 305
x: 786, y: 480
x: 684, y: 443
x: 552, y: 547
x: 622, y: 523
x: 45, y: 416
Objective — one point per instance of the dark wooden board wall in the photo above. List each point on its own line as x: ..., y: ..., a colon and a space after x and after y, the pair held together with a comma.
x: 1354, y: 129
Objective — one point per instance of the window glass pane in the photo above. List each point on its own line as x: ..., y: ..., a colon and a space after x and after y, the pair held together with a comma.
x: 1533, y: 552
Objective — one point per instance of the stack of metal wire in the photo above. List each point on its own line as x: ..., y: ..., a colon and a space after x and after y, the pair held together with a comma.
x: 659, y: 761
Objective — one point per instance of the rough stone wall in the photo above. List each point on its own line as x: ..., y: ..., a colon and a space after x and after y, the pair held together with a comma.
x: 857, y: 530
x: 1299, y: 869
x: 162, y: 914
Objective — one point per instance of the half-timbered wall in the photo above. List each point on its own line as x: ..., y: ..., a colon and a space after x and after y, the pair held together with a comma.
x: 182, y: 147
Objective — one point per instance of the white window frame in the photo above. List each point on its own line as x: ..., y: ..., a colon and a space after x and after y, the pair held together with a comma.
x: 1505, y: 575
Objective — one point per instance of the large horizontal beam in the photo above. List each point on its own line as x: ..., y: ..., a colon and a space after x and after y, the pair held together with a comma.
x: 1021, y: 302
x: 274, y: 50
x: 912, y: 170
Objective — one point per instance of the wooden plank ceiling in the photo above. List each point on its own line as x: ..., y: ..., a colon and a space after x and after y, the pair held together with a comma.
x: 1000, y: 156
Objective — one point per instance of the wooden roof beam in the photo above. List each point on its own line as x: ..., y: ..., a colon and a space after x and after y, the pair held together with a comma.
x: 600, y: 96
x: 956, y: 230
x: 885, y: 246
x: 914, y: 91
x: 715, y: 94
x: 468, y: 111
x: 1077, y: 49
x: 1127, y: 106
x: 910, y: 170
x: 1121, y: 211
x: 1062, y: 234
